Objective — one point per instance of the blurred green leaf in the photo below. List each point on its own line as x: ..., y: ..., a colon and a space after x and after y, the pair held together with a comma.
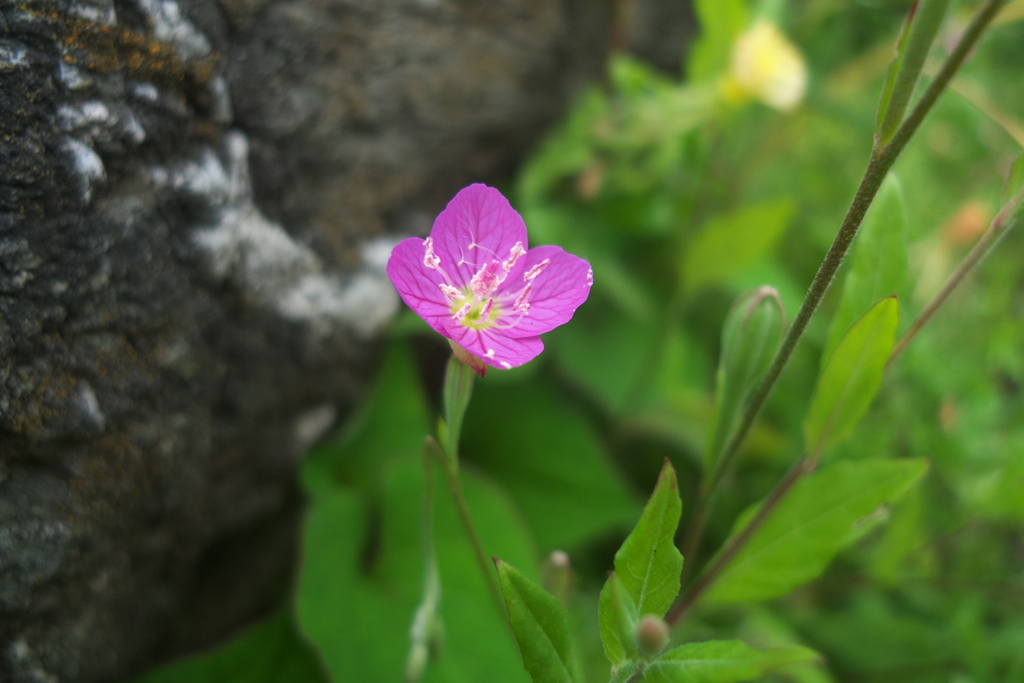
x: 648, y: 563
x: 879, y: 265
x: 568, y: 151
x: 810, y: 526
x: 617, y: 618
x: 904, y: 536
x: 271, y: 652
x: 1014, y: 184
x: 604, y: 353
x: 851, y: 378
x: 391, y: 423
x: 721, y: 661
x: 733, y: 241
x: 361, y: 578
x: 720, y: 22
x: 549, y: 459
x: 541, y: 628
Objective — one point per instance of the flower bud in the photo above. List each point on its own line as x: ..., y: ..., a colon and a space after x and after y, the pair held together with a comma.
x: 750, y: 338
x: 651, y: 635
x: 766, y: 67
x: 557, y: 573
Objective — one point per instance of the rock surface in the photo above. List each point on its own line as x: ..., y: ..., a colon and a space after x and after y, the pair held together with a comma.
x: 196, y: 201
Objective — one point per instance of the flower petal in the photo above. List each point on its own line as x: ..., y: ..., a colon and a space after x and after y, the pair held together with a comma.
x: 419, y: 287
x: 477, y: 226
x: 495, y: 349
x: 560, y: 288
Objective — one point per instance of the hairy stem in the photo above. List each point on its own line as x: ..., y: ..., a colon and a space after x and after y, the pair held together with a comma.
x: 999, y: 226
x: 882, y: 159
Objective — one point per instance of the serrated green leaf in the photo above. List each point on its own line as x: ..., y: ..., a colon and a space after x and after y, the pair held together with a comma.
x: 540, y: 626
x: 720, y: 22
x: 648, y: 564
x: 851, y: 378
x: 617, y: 618
x: 729, y: 243
x: 271, y: 652
x: 810, y: 526
x: 879, y: 265
x: 721, y: 661
x: 911, y: 50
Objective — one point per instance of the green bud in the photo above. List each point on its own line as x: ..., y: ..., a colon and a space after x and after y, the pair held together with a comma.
x: 651, y: 635
x: 750, y: 339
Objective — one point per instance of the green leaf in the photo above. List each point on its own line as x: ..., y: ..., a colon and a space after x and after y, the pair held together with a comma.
x: 720, y: 22
x: 271, y: 652
x: 851, y: 378
x: 810, y: 526
x: 729, y: 243
x: 361, y: 579
x: 541, y: 628
x: 879, y: 265
x: 911, y: 50
x: 648, y: 564
x: 390, y: 424
x: 721, y: 661
x: 548, y: 457
x: 617, y: 618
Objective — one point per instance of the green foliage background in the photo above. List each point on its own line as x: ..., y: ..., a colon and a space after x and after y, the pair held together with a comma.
x: 680, y: 204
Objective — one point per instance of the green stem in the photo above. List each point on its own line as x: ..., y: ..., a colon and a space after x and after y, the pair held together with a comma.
x: 882, y: 159
x: 721, y: 561
x: 451, y: 476
x: 999, y: 226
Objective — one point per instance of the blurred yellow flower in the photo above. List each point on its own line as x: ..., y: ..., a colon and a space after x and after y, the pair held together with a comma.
x: 766, y: 67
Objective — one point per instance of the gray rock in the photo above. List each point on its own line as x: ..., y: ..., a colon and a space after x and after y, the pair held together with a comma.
x: 196, y: 202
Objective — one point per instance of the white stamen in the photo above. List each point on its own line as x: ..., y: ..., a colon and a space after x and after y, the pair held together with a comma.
x: 461, y: 313
x: 452, y: 293
x: 486, y: 280
x: 429, y: 259
x: 531, y: 275
x: 485, y: 313
x: 490, y: 354
x: 505, y: 364
x: 516, y: 251
x: 521, y: 305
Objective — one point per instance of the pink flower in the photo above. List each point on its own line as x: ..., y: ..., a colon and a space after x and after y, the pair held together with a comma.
x: 474, y: 281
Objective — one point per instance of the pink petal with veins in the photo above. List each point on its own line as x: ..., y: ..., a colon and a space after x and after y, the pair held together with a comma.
x: 477, y: 226
x: 419, y: 287
x: 508, y: 352
x: 557, y: 291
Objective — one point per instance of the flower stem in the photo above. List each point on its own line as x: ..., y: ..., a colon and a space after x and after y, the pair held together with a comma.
x: 451, y: 476
x: 882, y: 158
x: 721, y: 561
x: 1000, y: 225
